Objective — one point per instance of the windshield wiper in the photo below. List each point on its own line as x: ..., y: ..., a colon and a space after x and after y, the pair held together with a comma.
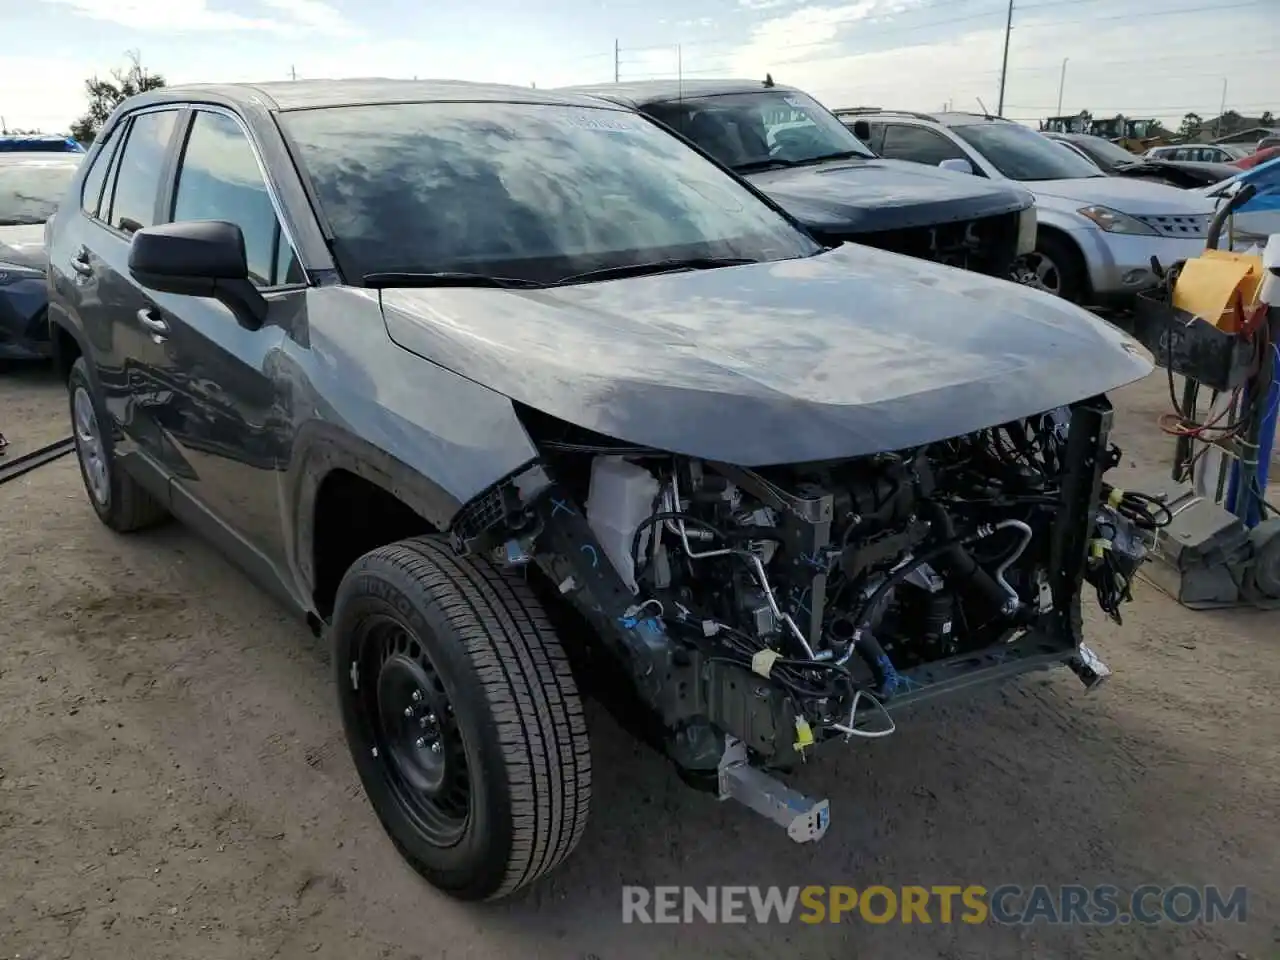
x: 754, y: 165
x: 656, y: 266
x: 776, y: 163
x: 838, y: 155
x: 446, y: 278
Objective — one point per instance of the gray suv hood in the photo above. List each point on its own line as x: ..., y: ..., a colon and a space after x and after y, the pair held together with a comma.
x: 846, y: 197
x: 846, y: 353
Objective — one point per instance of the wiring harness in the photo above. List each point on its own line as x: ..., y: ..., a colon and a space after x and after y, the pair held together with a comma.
x: 1126, y: 521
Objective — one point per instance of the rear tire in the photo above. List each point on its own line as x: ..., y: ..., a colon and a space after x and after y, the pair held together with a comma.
x: 120, y: 501
x: 462, y: 717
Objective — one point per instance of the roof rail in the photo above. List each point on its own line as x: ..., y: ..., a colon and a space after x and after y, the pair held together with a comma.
x: 855, y: 111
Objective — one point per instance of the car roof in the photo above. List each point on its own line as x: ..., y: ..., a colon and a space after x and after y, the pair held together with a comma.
x: 639, y: 93
x: 15, y: 157
x: 285, y: 95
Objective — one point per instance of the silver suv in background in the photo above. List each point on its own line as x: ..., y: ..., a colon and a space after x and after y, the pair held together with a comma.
x: 1096, y: 234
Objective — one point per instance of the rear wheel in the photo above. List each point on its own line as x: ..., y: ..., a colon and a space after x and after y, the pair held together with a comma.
x: 121, y: 502
x: 1054, y: 267
x: 462, y: 717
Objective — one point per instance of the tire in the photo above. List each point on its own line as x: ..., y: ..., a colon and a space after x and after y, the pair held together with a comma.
x: 1066, y: 265
x: 118, y: 499
x: 494, y: 792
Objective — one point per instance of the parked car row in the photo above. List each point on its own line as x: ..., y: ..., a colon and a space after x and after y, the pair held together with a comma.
x: 1113, y: 159
x: 1080, y: 218
x: 1096, y: 234
x: 504, y: 391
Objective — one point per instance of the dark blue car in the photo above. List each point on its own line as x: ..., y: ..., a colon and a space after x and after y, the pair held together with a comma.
x: 39, y: 143
x: 31, y: 184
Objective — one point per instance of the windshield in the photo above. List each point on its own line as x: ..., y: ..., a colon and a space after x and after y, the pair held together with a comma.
x: 1022, y: 154
x: 31, y: 188
x: 528, y: 191
x: 1111, y: 154
x: 762, y: 129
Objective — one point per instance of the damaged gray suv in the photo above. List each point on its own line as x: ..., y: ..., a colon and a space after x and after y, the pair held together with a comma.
x: 516, y: 397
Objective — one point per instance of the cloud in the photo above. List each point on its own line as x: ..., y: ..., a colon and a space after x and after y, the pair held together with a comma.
x: 313, y: 14
x: 804, y: 34
x: 59, y: 84
x: 186, y: 16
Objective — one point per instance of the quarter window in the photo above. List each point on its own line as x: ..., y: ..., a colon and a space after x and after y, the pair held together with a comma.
x: 137, y: 181
x: 219, y: 179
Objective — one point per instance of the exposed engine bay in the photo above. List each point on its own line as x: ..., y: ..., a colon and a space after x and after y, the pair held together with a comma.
x: 762, y: 612
x: 985, y: 245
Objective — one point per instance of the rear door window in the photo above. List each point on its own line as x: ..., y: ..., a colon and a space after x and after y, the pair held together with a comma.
x: 137, y: 182
x: 919, y: 144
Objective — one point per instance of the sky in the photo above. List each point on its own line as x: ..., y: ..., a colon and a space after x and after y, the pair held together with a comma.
x: 1143, y: 58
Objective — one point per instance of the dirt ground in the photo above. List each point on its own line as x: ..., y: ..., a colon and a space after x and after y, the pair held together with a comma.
x: 174, y: 782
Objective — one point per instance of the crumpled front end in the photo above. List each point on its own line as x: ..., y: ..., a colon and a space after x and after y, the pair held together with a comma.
x: 751, y: 617
x: 987, y: 245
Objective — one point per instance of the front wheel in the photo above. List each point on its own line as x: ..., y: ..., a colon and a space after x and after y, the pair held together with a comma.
x: 462, y: 717
x: 1054, y: 267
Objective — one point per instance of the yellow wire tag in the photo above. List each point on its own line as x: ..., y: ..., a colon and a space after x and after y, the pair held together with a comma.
x: 763, y: 661
x: 1116, y: 496
x: 804, y: 734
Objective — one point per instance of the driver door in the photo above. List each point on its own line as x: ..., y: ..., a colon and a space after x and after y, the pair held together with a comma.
x: 225, y: 413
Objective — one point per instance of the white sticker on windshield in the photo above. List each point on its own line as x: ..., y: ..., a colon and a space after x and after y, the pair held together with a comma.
x: 608, y: 120
x: 794, y: 101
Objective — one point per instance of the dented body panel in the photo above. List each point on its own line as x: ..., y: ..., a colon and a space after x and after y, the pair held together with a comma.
x: 850, y: 352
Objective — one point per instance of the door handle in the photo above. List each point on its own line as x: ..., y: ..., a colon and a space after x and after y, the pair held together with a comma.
x: 80, y: 263
x: 152, y: 320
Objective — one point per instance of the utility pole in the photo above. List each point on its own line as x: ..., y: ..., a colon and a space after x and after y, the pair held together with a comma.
x: 617, y: 61
x: 679, y: 67
x: 1217, y: 132
x: 1004, y: 64
x: 1062, y: 82
x: 293, y: 74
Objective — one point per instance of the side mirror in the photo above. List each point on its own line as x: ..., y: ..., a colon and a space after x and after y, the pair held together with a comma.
x: 198, y: 258
x: 862, y: 130
x: 956, y: 165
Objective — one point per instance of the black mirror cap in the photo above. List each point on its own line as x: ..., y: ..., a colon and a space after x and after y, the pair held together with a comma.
x: 198, y: 258
x: 193, y: 250
x: 862, y: 130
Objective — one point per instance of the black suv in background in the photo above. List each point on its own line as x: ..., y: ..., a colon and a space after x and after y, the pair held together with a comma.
x: 797, y: 152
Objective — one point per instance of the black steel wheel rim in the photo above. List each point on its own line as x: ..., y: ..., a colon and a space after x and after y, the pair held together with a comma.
x: 416, y: 739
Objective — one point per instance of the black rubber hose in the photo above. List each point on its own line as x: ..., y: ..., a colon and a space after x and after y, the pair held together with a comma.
x: 868, y: 618
x: 868, y: 647
x: 958, y: 562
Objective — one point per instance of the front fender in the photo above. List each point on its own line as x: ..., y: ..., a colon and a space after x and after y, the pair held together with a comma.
x: 361, y: 403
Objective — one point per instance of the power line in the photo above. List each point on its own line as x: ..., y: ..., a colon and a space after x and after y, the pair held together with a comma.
x: 1145, y: 16
x: 1002, y: 10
